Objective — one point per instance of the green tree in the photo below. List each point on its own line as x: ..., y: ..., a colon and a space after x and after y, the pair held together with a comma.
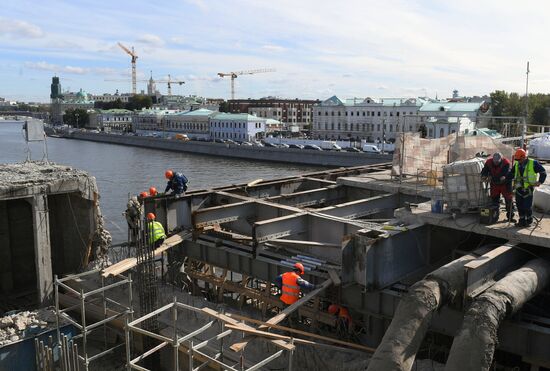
x: 77, y: 118
x: 539, y: 115
x: 515, y: 105
x: 499, y: 101
x: 138, y: 102
x: 224, y: 107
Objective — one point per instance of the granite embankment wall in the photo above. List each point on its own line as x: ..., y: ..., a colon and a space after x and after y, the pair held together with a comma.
x: 288, y: 155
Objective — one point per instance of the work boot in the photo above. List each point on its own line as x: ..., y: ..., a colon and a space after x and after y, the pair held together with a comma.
x: 521, y: 222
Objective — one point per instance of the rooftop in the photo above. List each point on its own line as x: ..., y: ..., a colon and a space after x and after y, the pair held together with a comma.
x: 451, y: 106
x: 236, y: 117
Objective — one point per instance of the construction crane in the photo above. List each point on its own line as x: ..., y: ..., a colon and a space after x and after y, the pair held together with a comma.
x: 134, y: 59
x: 169, y: 83
x: 234, y: 75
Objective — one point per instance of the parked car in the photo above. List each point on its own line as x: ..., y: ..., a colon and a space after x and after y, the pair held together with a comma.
x: 219, y: 140
x: 266, y: 144
x: 313, y: 147
x: 182, y: 137
x: 296, y: 146
x: 257, y: 144
x: 229, y: 141
x: 370, y: 148
x: 284, y: 145
x: 248, y: 144
x: 352, y: 149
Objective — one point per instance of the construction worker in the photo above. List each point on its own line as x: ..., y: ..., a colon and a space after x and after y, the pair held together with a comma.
x: 153, y: 192
x: 177, y: 182
x: 343, y: 320
x: 524, y: 175
x: 290, y: 284
x: 156, y: 231
x: 143, y: 195
x: 496, y: 170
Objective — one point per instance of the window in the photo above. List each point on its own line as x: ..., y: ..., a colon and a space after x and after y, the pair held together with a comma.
x: 391, y: 128
x: 397, y: 114
x: 338, y: 126
x: 346, y: 113
x: 441, y: 133
x: 351, y: 113
x: 319, y: 113
x: 378, y: 113
x: 332, y: 126
x: 351, y: 127
x: 378, y: 126
x: 332, y: 113
x: 357, y: 113
x: 391, y: 113
x: 363, y: 113
x: 410, y: 128
x: 326, y: 113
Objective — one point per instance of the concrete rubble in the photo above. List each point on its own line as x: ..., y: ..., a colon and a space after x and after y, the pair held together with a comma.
x: 14, y: 327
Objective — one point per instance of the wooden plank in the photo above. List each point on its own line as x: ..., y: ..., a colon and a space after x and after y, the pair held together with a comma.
x: 232, y: 321
x: 237, y: 347
x: 127, y: 264
x: 303, y: 333
x: 271, y: 335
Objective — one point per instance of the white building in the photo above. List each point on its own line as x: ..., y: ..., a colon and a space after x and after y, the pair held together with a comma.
x: 150, y: 119
x: 442, y: 118
x: 111, y: 120
x: 237, y: 126
x: 111, y: 97
x: 364, y: 118
x: 196, y: 124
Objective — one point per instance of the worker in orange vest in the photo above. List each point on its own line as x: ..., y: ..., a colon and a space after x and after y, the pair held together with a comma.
x: 343, y: 321
x: 290, y: 284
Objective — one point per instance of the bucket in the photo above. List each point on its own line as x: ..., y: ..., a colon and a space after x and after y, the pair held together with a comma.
x: 437, y: 206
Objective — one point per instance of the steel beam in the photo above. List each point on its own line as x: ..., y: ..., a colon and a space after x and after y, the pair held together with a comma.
x: 312, y: 197
x: 223, y: 214
x: 481, y: 273
x: 364, y: 207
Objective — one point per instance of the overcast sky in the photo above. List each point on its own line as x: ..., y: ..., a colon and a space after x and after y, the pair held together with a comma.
x: 319, y: 48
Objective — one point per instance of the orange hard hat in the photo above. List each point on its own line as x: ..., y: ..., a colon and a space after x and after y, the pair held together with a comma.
x: 143, y: 194
x: 520, y: 154
x: 151, y: 216
x: 153, y: 191
x: 299, y: 267
x: 333, y: 308
x: 168, y: 174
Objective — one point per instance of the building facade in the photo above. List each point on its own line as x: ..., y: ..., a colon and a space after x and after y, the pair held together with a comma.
x: 364, y: 118
x: 111, y: 120
x: 442, y: 118
x: 150, y: 119
x: 297, y: 112
x: 124, y: 98
x: 237, y: 126
x: 196, y: 124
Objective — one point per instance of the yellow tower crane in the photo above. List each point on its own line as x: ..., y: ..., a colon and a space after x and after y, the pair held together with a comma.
x: 234, y: 75
x: 134, y: 59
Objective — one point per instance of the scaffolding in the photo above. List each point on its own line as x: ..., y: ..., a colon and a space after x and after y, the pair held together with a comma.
x: 97, y: 304
x: 189, y: 342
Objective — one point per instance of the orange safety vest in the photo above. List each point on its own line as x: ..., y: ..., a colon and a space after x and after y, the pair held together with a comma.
x: 290, y: 288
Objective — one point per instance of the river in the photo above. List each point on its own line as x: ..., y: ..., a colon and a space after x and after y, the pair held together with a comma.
x: 121, y: 171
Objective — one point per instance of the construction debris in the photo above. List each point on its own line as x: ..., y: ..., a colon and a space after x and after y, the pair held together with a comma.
x: 17, y: 326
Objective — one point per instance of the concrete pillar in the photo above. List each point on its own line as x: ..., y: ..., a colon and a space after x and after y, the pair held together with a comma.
x: 42, y: 248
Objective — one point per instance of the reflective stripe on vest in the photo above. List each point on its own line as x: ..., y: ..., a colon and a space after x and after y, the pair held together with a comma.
x: 156, y: 231
x: 529, y: 177
x: 290, y: 288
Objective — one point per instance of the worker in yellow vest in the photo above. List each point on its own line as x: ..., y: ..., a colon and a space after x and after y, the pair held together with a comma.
x: 156, y: 231
x: 524, y: 175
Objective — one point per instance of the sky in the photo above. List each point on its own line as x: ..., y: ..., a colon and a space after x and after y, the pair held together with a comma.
x: 319, y: 48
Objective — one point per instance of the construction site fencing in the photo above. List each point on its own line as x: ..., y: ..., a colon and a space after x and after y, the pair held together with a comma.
x: 94, y: 303
x: 193, y: 349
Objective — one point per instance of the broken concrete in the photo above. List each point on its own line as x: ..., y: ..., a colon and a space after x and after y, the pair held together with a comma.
x: 16, y: 326
x: 50, y: 216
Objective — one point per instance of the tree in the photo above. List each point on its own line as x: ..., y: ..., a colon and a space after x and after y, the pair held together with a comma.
x: 499, y: 101
x: 540, y: 116
x: 515, y: 105
x: 224, y: 107
x: 137, y: 102
x: 77, y: 118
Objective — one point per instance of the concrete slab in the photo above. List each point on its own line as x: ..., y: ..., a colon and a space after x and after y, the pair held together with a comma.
x: 537, y: 234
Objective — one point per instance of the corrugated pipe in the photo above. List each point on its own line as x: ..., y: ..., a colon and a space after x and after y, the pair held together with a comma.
x: 413, y: 315
x: 474, y: 346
